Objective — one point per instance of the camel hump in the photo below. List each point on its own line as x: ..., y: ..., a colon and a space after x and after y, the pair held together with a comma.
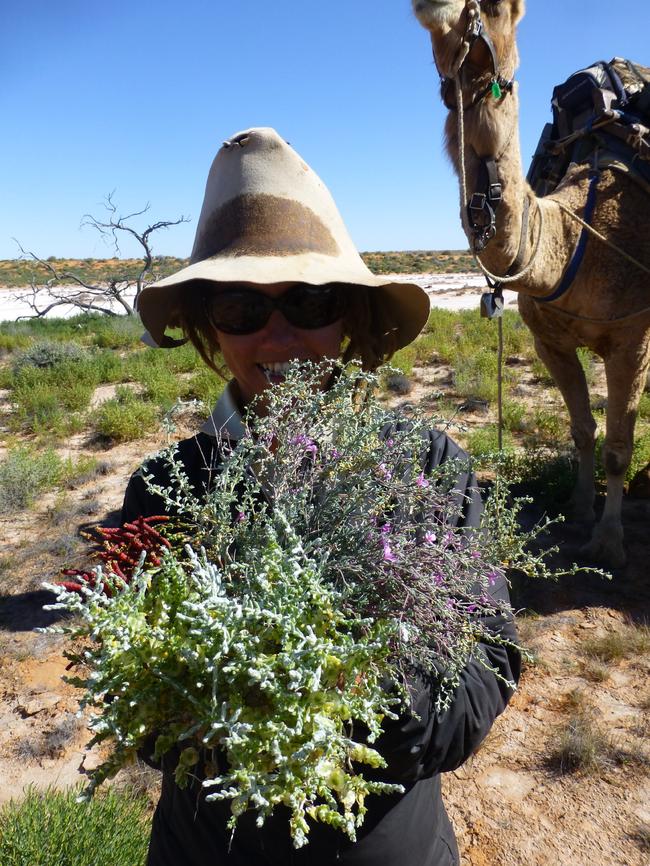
x: 604, y: 107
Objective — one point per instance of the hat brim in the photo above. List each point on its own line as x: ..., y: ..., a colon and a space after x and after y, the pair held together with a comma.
x: 406, y: 305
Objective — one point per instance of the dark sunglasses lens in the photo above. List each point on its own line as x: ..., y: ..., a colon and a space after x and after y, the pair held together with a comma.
x: 241, y: 312
x: 313, y: 307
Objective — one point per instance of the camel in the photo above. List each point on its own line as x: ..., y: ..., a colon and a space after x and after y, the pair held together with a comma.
x: 533, y: 238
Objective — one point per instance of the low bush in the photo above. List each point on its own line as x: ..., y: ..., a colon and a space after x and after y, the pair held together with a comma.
x: 125, y: 417
x: 404, y: 360
x: 514, y: 416
x: 581, y: 746
x: 51, y: 827
x: 204, y: 385
x: 483, y: 441
x: 117, y: 332
x: 24, y: 473
x: 48, y: 353
x: 475, y: 375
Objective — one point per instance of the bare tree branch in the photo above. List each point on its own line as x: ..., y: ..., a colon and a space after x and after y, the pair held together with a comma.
x: 60, y: 287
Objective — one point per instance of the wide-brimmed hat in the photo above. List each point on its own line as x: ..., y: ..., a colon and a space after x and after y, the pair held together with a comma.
x: 268, y: 218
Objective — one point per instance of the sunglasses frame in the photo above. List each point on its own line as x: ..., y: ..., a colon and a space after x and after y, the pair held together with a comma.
x: 332, y: 293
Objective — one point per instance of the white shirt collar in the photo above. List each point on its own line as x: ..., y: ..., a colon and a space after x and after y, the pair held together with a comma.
x: 226, y: 418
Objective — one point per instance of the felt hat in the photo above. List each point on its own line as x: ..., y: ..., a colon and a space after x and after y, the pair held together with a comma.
x: 268, y: 218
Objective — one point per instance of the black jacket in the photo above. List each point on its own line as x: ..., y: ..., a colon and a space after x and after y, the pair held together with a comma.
x: 410, y: 829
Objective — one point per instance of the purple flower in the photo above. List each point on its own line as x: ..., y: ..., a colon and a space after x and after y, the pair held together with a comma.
x: 385, y: 471
x: 421, y: 481
x: 308, y: 443
x: 476, y: 554
x: 334, y: 454
x: 385, y: 529
x: 390, y: 442
x: 438, y: 579
x: 240, y: 517
x: 492, y: 577
x: 472, y: 607
x: 429, y: 537
x: 389, y: 556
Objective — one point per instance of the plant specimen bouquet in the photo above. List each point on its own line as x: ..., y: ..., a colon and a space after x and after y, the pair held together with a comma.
x: 259, y: 636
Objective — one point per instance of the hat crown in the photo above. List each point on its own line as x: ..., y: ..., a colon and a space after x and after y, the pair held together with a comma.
x: 262, y: 199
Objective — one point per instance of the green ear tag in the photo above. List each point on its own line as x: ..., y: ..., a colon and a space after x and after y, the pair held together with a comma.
x: 497, y: 93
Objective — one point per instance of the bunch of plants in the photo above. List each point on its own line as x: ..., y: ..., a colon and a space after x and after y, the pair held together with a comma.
x: 261, y: 637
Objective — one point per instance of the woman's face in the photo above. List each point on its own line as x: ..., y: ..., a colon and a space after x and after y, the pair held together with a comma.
x: 255, y: 359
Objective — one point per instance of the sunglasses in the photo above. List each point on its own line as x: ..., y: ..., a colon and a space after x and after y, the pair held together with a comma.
x: 244, y: 311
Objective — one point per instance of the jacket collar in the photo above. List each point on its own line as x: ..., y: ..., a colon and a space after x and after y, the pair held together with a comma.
x: 226, y: 418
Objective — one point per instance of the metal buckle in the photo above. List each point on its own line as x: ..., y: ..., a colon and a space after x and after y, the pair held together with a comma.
x: 477, y: 202
x: 495, y: 192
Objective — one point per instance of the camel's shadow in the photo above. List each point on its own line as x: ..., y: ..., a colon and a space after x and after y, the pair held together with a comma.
x: 628, y: 590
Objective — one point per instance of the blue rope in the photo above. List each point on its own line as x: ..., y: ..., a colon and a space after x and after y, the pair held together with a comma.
x: 578, y: 255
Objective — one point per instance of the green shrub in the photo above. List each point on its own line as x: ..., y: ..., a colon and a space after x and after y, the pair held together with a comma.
x: 162, y: 386
x: 126, y: 417
x: 50, y: 827
x: 514, y: 416
x: 484, y: 441
x: 548, y: 428
x: 546, y: 474
x: 108, y: 367
x: 404, y: 360
x: 44, y: 397
x: 475, y: 375
x: 117, y: 332
x: 204, y: 385
x: 12, y: 342
x: 24, y: 473
x: 48, y: 353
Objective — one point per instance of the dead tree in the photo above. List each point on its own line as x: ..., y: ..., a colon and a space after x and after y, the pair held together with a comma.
x: 120, y: 293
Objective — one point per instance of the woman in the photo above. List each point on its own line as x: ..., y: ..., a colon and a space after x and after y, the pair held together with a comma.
x: 275, y: 277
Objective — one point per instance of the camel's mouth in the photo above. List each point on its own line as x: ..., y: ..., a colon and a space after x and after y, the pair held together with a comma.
x: 437, y: 13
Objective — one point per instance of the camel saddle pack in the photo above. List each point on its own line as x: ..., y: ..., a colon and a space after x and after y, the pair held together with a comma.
x: 601, y: 116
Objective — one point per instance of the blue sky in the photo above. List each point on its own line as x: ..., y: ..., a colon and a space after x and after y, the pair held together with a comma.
x: 137, y: 97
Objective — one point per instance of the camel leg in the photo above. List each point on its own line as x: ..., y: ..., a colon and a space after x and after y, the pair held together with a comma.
x: 626, y: 378
x: 568, y: 375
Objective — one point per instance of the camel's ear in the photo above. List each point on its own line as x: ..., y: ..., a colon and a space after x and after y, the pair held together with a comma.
x: 518, y: 9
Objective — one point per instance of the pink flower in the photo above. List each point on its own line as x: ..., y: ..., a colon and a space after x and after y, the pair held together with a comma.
x: 429, y: 537
x: 421, y: 481
x: 240, y: 517
x: 389, y: 556
x: 385, y: 471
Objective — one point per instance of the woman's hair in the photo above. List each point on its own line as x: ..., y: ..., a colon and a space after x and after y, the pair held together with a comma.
x: 366, y: 326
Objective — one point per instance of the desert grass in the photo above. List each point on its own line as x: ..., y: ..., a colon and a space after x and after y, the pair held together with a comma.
x: 48, y: 827
x: 628, y: 641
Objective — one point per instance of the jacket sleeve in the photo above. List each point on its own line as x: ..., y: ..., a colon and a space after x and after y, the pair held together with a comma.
x: 425, y: 741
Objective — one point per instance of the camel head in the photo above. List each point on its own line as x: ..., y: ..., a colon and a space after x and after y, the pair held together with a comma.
x: 450, y: 22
